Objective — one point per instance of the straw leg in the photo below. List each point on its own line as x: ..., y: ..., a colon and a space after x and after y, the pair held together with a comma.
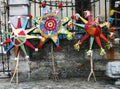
x: 16, y: 72
x: 53, y: 63
x: 91, y: 70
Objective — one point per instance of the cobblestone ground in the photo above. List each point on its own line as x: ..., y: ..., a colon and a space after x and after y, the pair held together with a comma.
x: 74, y: 83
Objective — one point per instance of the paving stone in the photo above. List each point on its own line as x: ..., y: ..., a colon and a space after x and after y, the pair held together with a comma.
x: 73, y: 83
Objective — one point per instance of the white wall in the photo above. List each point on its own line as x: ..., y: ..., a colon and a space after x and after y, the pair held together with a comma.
x: 101, y: 11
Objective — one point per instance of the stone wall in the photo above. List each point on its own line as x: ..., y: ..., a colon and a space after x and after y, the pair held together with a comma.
x: 68, y: 62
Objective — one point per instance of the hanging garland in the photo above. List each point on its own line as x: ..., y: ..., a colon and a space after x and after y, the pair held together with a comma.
x: 55, y: 3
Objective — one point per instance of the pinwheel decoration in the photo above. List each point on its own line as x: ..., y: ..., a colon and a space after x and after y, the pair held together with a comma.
x: 110, y: 19
x: 114, y: 11
x: 51, y: 25
x: 114, y: 28
x: 19, y: 38
x: 93, y: 30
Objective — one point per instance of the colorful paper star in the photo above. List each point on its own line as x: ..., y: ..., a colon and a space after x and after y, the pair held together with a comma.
x: 51, y: 25
x: 19, y: 38
x: 93, y: 30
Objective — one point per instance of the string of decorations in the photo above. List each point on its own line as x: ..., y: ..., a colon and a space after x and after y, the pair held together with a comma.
x: 55, y: 3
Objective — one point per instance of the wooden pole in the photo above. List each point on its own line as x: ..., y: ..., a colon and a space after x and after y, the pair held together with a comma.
x: 53, y: 63
x: 16, y: 72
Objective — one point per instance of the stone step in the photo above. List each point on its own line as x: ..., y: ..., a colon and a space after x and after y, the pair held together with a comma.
x: 4, y: 75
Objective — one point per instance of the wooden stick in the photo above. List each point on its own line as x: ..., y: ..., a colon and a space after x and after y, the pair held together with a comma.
x: 117, y: 12
x: 16, y: 71
x: 91, y: 71
x: 53, y: 63
x: 17, y: 74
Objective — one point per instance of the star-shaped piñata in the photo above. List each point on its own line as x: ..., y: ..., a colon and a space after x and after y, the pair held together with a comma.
x: 19, y: 38
x: 51, y: 25
x: 93, y: 31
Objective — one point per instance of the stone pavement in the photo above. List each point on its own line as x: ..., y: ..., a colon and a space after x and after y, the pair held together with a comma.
x: 73, y: 83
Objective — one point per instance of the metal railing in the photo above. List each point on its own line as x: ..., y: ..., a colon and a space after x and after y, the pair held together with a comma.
x: 68, y: 7
x: 4, y: 59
